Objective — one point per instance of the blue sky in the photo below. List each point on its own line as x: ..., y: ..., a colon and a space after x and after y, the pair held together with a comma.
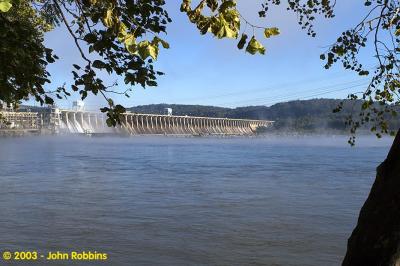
x: 204, y: 70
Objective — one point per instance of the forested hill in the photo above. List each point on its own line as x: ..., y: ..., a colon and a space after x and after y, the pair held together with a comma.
x: 292, y: 109
x: 304, y: 115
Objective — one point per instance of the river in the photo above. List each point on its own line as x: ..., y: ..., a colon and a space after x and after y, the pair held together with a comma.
x: 185, y: 201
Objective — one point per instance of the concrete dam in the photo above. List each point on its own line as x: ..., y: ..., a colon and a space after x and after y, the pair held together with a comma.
x: 86, y: 122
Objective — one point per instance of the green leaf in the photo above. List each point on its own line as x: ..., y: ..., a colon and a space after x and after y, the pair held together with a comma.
x: 5, y: 5
x: 185, y: 6
x: 212, y: 4
x: 255, y: 46
x: 122, y: 32
x: 130, y: 43
x: 119, y: 109
x: 104, y: 109
x: 269, y: 32
x: 227, y: 32
x: 151, y: 83
x: 110, y: 102
x: 227, y: 25
x: 157, y: 40
x: 111, y: 122
x: 83, y: 94
x: 199, y: 8
x: 226, y: 5
x: 146, y: 49
x: 48, y: 100
x: 109, y: 18
x: 98, y: 64
x: 90, y: 38
x: 242, y: 41
x: 164, y: 44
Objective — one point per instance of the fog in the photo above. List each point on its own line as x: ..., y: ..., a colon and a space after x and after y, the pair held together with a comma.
x: 264, y: 140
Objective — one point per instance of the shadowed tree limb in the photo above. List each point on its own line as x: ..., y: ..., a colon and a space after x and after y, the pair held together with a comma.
x: 376, y: 238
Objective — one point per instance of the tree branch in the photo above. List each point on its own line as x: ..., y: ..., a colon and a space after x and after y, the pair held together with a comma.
x: 71, y: 33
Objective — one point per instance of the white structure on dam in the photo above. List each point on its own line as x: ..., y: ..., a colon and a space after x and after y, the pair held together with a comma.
x: 75, y: 121
x: 19, y: 120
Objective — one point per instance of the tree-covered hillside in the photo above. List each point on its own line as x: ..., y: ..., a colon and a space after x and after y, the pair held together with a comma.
x: 314, y: 115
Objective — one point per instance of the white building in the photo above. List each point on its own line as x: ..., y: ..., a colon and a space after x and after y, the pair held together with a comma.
x: 78, y: 105
x: 168, y: 111
x: 4, y: 107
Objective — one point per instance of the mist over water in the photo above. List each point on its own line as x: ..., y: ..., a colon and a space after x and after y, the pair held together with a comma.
x: 186, y: 201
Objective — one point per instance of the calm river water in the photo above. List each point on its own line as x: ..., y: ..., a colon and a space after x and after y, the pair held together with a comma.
x: 185, y: 201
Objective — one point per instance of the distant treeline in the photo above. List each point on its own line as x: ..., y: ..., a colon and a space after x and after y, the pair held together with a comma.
x: 314, y: 115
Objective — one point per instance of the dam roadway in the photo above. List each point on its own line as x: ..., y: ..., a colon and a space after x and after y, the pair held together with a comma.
x: 140, y: 124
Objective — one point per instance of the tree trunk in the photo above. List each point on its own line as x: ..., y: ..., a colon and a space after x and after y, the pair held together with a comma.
x: 376, y: 238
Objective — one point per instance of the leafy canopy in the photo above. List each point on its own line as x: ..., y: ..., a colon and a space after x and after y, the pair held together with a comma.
x: 24, y: 58
x: 123, y: 36
x: 379, y: 30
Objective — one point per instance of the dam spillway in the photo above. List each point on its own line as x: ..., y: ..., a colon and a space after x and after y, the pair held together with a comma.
x: 81, y: 122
